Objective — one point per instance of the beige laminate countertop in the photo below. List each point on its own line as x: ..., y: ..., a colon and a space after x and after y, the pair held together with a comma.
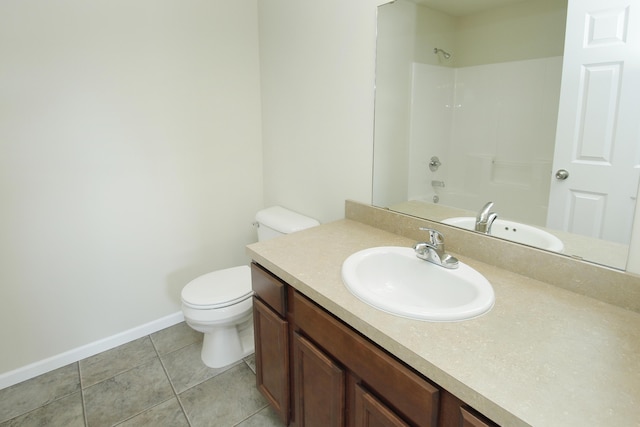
x: 543, y: 356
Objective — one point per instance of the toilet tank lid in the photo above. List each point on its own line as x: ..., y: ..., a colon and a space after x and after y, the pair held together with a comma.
x: 219, y: 288
x: 284, y: 220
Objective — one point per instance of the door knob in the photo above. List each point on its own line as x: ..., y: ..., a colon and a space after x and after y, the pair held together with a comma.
x: 562, y: 174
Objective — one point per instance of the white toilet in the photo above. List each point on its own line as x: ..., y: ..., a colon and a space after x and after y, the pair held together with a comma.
x: 219, y: 303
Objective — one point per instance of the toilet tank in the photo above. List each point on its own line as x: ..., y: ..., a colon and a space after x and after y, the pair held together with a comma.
x: 276, y: 221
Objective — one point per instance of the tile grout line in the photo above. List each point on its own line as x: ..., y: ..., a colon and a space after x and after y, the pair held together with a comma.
x: 141, y: 412
x: 84, y: 405
x: 165, y: 364
x: 173, y: 388
x: 244, y: 361
x: 251, y: 415
x: 131, y: 368
x: 64, y: 396
x: 164, y: 401
x: 146, y: 362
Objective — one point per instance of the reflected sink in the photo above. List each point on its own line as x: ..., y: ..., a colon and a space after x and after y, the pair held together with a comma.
x: 514, y: 231
x: 393, y: 279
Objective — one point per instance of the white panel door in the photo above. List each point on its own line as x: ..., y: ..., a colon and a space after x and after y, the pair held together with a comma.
x: 598, y: 134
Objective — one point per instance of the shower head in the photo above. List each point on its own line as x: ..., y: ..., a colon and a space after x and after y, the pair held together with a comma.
x: 446, y: 55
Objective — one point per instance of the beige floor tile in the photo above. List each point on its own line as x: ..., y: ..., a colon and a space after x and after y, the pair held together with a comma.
x: 166, y: 414
x: 127, y: 394
x: 175, y: 337
x: 115, y: 361
x: 31, y: 394
x: 223, y: 400
x: 186, y: 369
x: 129, y: 386
x: 65, y: 412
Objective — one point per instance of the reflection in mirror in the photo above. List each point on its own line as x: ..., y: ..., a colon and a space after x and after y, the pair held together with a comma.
x: 471, y: 105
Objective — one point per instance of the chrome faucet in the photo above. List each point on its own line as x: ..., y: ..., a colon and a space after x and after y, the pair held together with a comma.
x: 484, y: 219
x: 433, y: 250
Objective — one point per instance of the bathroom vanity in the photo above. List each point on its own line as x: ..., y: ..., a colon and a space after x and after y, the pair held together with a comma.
x: 336, y: 376
x: 543, y: 356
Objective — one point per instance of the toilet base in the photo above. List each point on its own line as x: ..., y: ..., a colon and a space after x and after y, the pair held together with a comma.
x: 226, y: 345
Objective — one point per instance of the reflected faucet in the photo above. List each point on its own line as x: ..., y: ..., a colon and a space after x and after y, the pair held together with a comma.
x: 484, y: 219
x: 433, y: 250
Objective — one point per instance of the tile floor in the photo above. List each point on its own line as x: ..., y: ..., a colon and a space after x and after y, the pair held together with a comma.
x: 158, y: 380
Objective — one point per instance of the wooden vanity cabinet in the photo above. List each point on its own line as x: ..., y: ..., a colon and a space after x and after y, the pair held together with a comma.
x: 376, y: 376
x: 316, y: 371
x: 271, y: 334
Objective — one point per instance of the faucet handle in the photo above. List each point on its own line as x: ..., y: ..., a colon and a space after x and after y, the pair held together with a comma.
x: 433, y: 250
x: 435, y: 237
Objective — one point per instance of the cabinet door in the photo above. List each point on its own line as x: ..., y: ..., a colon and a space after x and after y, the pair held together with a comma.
x: 370, y: 412
x: 319, y: 385
x: 272, y: 358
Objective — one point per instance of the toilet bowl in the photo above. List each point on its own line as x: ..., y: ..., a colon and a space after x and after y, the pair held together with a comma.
x: 219, y: 304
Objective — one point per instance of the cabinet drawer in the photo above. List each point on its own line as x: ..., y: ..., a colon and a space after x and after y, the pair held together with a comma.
x: 408, y: 393
x: 269, y: 289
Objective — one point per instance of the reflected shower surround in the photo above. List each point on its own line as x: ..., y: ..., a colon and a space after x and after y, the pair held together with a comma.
x: 492, y: 145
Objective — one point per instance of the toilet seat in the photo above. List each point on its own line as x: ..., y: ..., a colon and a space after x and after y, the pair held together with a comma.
x: 218, y: 289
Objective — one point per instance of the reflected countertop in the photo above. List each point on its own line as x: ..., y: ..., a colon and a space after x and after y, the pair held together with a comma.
x: 543, y: 356
x: 599, y: 251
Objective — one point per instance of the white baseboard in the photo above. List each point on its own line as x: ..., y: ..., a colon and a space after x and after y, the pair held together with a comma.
x: 43, y: 366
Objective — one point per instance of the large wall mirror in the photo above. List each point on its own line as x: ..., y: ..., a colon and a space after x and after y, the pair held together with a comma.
x: 530, y: 104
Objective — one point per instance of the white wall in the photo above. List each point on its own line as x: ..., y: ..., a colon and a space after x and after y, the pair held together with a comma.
x: 317, y: 67
x: 514, y: 32
x: 434, y: 29
x: 130, y: 162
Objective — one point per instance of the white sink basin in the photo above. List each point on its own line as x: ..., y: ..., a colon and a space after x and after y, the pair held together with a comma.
x: 514, y: 231
x: 394, y: 280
